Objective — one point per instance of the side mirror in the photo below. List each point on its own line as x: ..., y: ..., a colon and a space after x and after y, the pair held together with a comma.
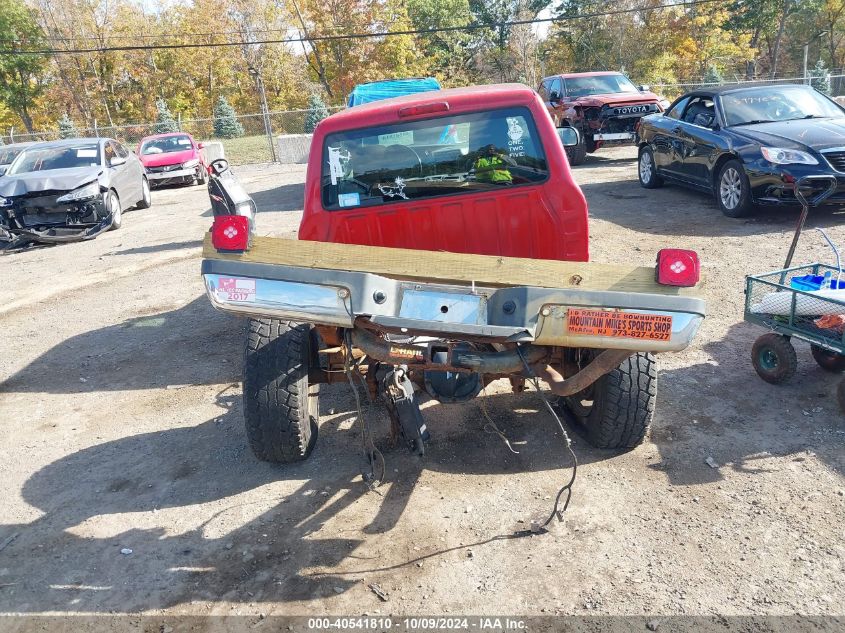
x: 569, y: 136
x: 644, y: 88
x: 117, y: 161
x: 200, y: 145
x: 554, y: 96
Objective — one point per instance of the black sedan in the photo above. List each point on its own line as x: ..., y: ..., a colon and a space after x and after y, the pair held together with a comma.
x: 747, y: 145
x: 64, y: 191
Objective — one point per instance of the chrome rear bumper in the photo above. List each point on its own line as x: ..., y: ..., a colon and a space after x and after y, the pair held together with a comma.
x: 543, y: 316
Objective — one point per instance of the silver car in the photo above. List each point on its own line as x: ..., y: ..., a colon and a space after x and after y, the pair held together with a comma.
x: 70, y: 190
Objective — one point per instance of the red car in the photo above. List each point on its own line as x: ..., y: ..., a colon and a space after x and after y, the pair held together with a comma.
x: 605, y: 107
x: 172, y: 159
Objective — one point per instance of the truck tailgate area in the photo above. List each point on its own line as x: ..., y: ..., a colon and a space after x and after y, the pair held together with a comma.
x: 448, y: 295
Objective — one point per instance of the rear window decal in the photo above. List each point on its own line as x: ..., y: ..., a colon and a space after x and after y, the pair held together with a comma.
x: 348, y: 200
x: 337, y: 161
x: 395, y: 191
x: 516, y: 147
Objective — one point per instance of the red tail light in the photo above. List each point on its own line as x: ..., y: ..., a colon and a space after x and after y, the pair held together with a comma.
x: 425, y: 108
x: 678, y: 267
x: 230, y: 233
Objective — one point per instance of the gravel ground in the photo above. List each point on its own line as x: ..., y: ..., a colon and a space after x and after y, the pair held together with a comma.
x: 121, y: 427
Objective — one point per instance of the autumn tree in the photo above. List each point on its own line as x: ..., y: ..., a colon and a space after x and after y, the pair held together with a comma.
x: 21, y: 75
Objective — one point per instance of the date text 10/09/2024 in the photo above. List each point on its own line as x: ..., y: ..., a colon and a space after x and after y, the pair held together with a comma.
x: 477, y: 623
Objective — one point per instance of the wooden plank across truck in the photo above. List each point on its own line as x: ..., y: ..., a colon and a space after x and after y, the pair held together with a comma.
x: 443, y: 244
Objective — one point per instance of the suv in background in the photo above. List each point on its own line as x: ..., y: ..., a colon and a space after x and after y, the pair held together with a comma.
x: 605, y: 107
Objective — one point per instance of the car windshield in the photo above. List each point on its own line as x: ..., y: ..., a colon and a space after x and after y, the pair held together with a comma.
x: 166, y: 145
x: 64, y: 157
x: 424, y: 159
x: 598, y: 85
x: 776, y: 103
x: 7, y: 155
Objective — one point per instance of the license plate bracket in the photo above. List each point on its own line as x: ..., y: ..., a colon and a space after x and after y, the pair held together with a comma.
x: 443, y: 306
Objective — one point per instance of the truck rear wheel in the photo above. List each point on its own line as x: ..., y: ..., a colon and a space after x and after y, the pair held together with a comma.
x: 616, y: 410
x: 281, y: 409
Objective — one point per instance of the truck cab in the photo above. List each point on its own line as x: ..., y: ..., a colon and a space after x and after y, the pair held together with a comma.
x: 476, y: 170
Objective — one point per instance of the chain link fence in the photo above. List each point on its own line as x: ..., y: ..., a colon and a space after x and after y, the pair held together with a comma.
x: 253, y: 146
x: 673, y: 90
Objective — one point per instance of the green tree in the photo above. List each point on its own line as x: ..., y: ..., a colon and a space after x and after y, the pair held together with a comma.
x: 66, y: 127
x: 21, y: 76
x: 164, y: 119
x: 317, y: 111
x: 820, y: 77
x: 226, y: 124
x: 712, y: 76
x: 449, y: 51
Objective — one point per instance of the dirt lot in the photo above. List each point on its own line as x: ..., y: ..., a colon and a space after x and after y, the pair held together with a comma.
x: 121, y: 427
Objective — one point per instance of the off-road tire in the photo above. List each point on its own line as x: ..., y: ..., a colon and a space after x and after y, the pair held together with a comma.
x: 577, y: 153
x: 647, y: 169
x: 733, y: 171
x: 774, y: 358
x: 827, y: 360
x: 623, y: 404
x: 281, y: 409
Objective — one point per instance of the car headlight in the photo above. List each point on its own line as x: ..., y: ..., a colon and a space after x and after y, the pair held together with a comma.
x: 89, y: 191
x: 783, y: 156
x: 191, y: 163
x: 5, y: 202
x: 664, y: 104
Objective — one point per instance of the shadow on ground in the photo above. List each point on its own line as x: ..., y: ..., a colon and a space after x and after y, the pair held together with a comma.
x: 677, y: 211
x: 200, y: 344
x: 738, y: 420
x: 159, y: 248
x: 282, y: 198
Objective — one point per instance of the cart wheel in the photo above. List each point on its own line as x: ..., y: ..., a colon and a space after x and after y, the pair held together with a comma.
x: 774, y: 358
x: 827, y: 360
x: 840, y: 395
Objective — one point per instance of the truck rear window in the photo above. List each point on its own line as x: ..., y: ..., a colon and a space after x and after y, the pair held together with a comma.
x: 423, y: 159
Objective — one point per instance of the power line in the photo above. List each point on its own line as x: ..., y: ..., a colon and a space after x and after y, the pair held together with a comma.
x: 352, y: 36
x: 142, y: 36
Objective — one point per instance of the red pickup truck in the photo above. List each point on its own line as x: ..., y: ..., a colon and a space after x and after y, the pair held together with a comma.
x: 443, y: 244
x: 605, y: 107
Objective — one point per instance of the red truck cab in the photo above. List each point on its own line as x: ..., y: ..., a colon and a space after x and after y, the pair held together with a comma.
x: 477, y: 170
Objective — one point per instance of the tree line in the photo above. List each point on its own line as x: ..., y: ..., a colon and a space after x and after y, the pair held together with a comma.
x: 653, y: 41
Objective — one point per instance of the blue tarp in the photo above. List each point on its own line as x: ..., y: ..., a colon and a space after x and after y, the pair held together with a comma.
x: 377, y: 90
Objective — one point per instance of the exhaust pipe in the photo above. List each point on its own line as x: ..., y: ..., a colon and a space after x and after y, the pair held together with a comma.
x: 604, y: 363
x: 507, y: 362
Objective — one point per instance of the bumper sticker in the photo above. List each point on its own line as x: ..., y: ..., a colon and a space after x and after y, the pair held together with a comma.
x: 652, y: 327
x: 233, y: 289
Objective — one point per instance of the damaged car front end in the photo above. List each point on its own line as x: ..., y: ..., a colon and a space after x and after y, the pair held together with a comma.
x: 56, y: 215
x: 61, y: 191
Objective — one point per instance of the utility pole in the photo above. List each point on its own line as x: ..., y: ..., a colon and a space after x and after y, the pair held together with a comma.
x: 807, y: 51
x: 264, y: 110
